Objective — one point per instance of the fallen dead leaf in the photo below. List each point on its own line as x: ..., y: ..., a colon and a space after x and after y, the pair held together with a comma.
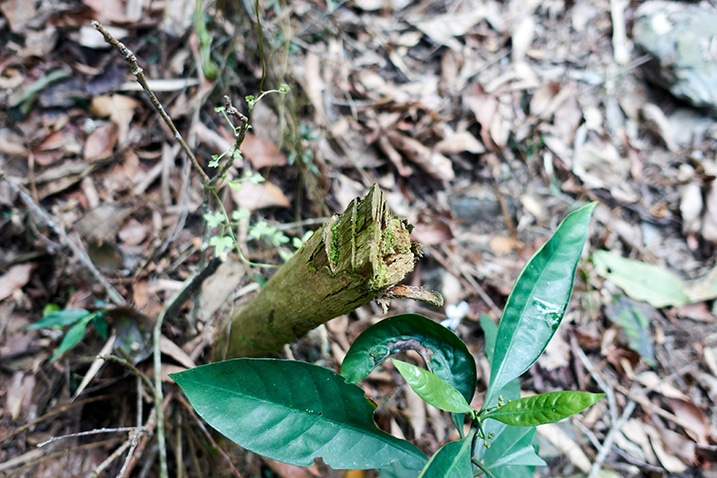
x: 691, y: 414
x: 432, y: 162
x: 102, y: 223
x: 709, y: 221
x: 101, y: 142
x: 669, y: 461
x: 460, y: 142
x: 262, y: 153
x: 259, y: 196
x: 484, y: 107
x: 119, y: 109
x: 15, y: 278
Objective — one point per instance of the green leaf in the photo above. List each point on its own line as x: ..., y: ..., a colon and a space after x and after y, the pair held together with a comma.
x: 432, y: 388
x: 641, y: 281
x: 537, y: 304
x: 241, y: 213
x: 490, y: 332
x: 634, y: 320
x: 73, y: 336
x: 100, y: 324
x: 444, y: 353
x: 293, y: 412
x: 452, y: 460
x: 512, y: 452
x: 60, y: 318
x: 543, y: 408
x: 220, y: 243
x: 214, y: 219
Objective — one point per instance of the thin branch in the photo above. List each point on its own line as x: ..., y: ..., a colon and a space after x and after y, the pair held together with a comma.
x: 138, y: 73
x: 56, y: 226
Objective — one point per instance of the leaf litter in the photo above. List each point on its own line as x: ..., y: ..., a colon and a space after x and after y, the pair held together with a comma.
x: 484, y: 122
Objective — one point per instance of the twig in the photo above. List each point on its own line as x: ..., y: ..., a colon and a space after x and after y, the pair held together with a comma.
x: 57, y: 228
x: 616, y: 422
x: 89, y: 432
x: 138, y: 73
x: 209, y: 435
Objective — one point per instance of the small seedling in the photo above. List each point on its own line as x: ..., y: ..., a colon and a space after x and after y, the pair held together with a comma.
x: 295, y: 412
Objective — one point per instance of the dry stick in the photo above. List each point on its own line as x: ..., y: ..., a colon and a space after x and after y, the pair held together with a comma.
x: 138, y: 73
x: 617, y: 422
x: 57, y: 228
x: 209, y: 436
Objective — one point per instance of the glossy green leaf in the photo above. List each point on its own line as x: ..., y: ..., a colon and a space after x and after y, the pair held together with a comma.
x: 512, y: 452
x: 444, y: 353
x: 537, y: 304
x: 73, y: 336
x: 432, y: 388
x: 59, y: 318
x: 634, y: 319
x: 452, y: 460
x: 543, y: 408
x: 293, y: 412
x: 653, y: 284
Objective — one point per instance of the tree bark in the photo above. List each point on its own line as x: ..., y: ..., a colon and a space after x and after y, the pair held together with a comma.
x: 354, y: 258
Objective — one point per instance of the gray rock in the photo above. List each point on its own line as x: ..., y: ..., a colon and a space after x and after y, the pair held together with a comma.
x: 682, y: 38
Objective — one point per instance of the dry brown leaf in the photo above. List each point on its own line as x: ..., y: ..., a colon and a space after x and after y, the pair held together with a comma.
x: 416, y: 411
x: 171, y: 349
x: 660, y: 124
x: 677, y: 443
x: 502, y: 245
x: 119, y: 109
x: 690, y: 413
x: 133, y: 232
x: 431, y: 233
x: 102, y: 223
x: 259, y: 196
x: 218, y: 287
x: 444, y: 28
x: 18, y: 14
x: 10, y: 148
x: 394, y: 156
x: 15, y: 278
x: 709, y: 221
x: 568, y: 116
x: 285, y: 470
x: 557, y: 353
x: 484, y: 107
x: 108, y: 10
x: 635, y: 442
x: 19, y: 394
x: 432, y: 162
x: 262, y: 153
x: 669, y: 461
x: 691, y: 205
x: 566, y: 445
x: 314, y: 85
x: 653, y: 382
x: 101, y: 142
x: 460, y: 142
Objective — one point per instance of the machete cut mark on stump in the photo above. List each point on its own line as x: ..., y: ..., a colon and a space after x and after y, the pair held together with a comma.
x: 354, y: 258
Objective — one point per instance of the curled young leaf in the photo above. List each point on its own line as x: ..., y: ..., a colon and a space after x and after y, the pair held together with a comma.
x: 432, y: 388
x: 444, y: 353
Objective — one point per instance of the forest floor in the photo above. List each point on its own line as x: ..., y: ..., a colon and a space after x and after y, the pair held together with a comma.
x: 484, y: 122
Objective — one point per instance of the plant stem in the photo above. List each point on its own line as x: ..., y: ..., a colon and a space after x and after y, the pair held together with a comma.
x: 354, y: 258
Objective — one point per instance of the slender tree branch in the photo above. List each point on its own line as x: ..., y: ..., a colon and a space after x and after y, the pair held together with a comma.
x: 138, y: 73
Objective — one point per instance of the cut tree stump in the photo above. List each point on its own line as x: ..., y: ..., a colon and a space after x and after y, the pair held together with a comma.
x: 354, y: 258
